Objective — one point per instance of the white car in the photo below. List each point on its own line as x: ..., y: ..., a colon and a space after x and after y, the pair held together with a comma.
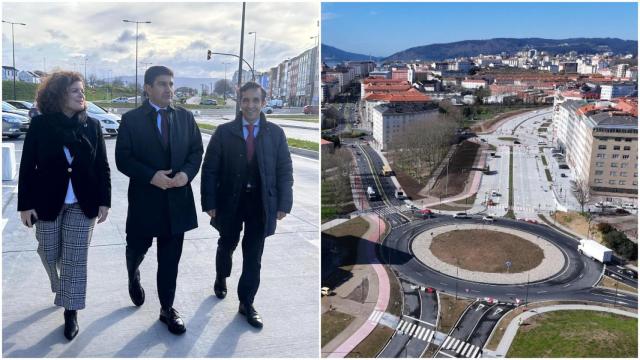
x: 122, y: 99
x: 488, y: 218
x: 629, y: 206
x: 108, y: 122
x: 461, y: 215
x: 267, y: 109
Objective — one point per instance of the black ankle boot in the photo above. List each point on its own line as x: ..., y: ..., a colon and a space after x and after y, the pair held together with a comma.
x: 70, y: 324
x: 136, y: 292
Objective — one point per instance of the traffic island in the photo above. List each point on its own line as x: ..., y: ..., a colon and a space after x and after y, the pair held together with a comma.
x: 462, y: 244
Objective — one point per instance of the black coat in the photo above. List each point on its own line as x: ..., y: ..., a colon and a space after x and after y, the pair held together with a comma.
x: 45, y: 171
x: 225, y: 162
x: 140, y: 154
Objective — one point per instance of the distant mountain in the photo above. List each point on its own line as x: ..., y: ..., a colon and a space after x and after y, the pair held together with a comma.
x: 193, y: 83
x: 496, y: 46
x: 331, y: 54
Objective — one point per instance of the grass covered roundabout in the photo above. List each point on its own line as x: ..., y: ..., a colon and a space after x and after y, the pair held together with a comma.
x: 486, y: 251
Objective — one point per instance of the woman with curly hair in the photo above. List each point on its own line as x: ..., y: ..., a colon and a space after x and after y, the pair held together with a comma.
x: 64, y: 185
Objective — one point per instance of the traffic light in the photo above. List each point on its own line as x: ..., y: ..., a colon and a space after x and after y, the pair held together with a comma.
x: 208, y: 54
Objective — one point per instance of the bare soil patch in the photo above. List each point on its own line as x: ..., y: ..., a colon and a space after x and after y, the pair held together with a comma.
x: 459, y: 171
x: 410, y: 186
x: 486, y: 251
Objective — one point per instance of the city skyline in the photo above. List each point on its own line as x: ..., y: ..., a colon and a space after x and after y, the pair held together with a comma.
x: 355, y: 27
x: 178, y: 36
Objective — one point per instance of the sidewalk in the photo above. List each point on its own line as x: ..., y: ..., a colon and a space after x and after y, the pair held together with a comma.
x: 379, y: 294
x: 512, y: 329
x: 111, y: 326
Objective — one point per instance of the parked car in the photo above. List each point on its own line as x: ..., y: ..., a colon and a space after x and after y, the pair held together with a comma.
x: 425, y: 213
x: 516, y: 142
x: 563, y: 175
x: 8, y: 108
x: 267, y: 109
x: 209, y: 102
x: 11, y: 124
x: 461, y: 215
x: 21, y: 105
x: 121, y: 99
x: 488, y: 218
x: 108, y: 122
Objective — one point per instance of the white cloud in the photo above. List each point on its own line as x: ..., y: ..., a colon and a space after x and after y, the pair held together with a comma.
x: 178, y: 36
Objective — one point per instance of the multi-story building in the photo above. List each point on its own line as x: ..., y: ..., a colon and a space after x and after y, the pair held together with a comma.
x: 8, y: 72
x: 620, y: 70
x: 600, y: 141
x: 616, y: 90
x: 473, y: 84
x: 393, y: 120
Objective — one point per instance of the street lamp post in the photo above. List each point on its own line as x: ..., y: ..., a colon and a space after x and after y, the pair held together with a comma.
x: 224, y: 94
x: 13, y: 52
x: 253, y: 63
x: 137, y: 25
x: 85, y: 68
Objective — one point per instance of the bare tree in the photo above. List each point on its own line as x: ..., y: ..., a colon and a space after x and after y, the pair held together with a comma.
x: 582, y: 193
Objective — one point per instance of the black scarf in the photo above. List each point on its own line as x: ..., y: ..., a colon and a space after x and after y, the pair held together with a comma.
x: 69, y: 132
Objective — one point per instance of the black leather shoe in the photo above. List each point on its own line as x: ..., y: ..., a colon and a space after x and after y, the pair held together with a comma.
x: 70, y: 324
x: 220, y: 287
x: 252, y: 315
x: 136, y: 292
x: 173, y: 321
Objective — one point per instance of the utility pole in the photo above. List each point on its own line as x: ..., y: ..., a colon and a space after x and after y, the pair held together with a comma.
x: 13, y: 51
x: 253, y: 63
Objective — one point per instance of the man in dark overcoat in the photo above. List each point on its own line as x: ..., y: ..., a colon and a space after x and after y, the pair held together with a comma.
x: 159, y: 148
x: 247, y: 180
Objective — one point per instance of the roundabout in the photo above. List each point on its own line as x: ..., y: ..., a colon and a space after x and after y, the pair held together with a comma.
x: 563, y: 273
x: 490, y: 254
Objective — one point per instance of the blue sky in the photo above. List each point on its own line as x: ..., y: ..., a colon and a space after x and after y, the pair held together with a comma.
x: 381, y: 29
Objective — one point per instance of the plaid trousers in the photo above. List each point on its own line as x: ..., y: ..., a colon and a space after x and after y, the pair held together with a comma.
x: 63, y: 246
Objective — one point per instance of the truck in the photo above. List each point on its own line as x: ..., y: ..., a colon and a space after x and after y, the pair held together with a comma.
x: 595, y: 250
x: 275, y: 103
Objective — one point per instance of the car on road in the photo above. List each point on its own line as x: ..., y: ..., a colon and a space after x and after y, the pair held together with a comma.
x: 121, y: 99
x: 311, y: 109
x: 358, y: 153
x: 267, y: 109
x: 563, y: 175
x: 563, y: 166
x: 461, y: 215
x: 495, y: 193
x: 8, y: 108
x: 516, y: 142
x: 353, y: 146
x: 11, y: 124
x: 629, y: 206
x: 399, y: 194
x: 425, y: 213
x: 109, y: 123
x: 488, y: 218
x: 208, y: 102
x: 628, y: 272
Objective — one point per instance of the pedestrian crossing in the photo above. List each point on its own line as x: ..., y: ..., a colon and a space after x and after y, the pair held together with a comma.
x: 461, y: 348
x: 415, y: 330
x: 384, y: 211
x: 376, y: 316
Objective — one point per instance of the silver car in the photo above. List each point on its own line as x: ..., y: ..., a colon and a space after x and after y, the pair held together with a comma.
x: 11, y: 124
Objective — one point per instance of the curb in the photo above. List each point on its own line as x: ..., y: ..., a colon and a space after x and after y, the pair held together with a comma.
x: 298, y: 151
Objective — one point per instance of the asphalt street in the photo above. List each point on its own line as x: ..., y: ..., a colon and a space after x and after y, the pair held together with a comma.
x: 111, y: 326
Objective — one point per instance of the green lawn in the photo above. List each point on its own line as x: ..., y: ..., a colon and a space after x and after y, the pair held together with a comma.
x: 303, y: 144
x: 206, y: 126
x: 544, y: 160
x: 548, y: 173
x: 297, y: 117
x: 333, y: 323
x: 577, y: 334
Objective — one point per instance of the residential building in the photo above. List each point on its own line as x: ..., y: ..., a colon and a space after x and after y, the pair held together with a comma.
x: 8, y: 73
x: 473, y: 84
x: 600, y: 141
x: 616, y: 90
x: 392, y: 121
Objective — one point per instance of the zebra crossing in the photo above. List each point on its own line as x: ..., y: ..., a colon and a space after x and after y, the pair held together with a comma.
x: 412, y: 329
x: 384, y: 211
x: 375, y: 316
x: 461, y: 348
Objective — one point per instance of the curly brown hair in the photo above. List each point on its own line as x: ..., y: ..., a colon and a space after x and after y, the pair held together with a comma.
x: 52, y: 92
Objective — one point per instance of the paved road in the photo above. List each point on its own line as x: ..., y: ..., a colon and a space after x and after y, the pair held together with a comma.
x: 111, y: 326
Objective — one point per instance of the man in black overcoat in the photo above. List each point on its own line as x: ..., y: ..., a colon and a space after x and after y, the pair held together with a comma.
x: 247, y: 179
x: 159, y: 148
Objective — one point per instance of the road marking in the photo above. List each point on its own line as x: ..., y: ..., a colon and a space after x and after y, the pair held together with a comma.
x: 422, y: 321
x: 404, y: 326
x: 464, y: 349
x: 413, y: 326
x: 456, y: 344
x: 498, y: 311
x: 471, y: 349
x: 542, y: 292
x: 566, y: 285
x: 443, y: 353
x: 431, y: 335
x: 462, y: 343
x: 480, y: 306
x: 446, y: 342
x: 475, y: 352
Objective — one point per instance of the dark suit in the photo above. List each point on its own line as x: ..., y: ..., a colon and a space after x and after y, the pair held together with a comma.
x: 153, y: 212
x: 45, y: 171
x: 225, y: 173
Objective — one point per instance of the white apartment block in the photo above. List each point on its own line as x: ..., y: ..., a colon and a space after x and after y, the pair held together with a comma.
x: 600, y: 145
x: 392, y: 122
x: 612, y: 91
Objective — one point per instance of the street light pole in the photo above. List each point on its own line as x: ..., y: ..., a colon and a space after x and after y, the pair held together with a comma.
x: 240, y: 58
x: 224, y: 94
x: 253, y: 63
x: 85, y: 68
x: 13, y: 51
x: 137, y: 25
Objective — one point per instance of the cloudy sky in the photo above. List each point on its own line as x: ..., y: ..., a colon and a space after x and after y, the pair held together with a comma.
x: 61, y: 34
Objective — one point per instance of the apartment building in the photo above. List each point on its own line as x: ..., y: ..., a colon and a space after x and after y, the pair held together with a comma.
x: 600, y: 141
x: 392, y: 120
